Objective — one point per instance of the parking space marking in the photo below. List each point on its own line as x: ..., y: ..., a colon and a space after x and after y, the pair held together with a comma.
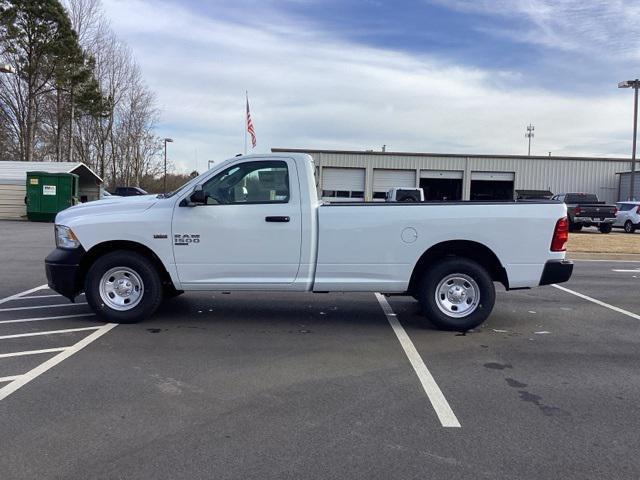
x: 35, y: 296
x: 53, y: 361
x: 49, y: 332
x: 41, y: 296
x: 21, y: 294
x: 32, y: 352
x: 598, y: 302
x: 40, y: 319
x: 436, y: 397
x: 60, y: 305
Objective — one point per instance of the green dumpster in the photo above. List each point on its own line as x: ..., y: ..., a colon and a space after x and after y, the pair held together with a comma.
x: 49, y: 193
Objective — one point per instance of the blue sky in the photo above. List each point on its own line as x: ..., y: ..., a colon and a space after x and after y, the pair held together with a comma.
x: 432, y: 75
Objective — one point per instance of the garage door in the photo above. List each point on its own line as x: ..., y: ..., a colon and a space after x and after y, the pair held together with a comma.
x: 496, y: 176
x: 384, y: 179
x: 449, y: 174
x: 492, y: 186
x: 343, y: 183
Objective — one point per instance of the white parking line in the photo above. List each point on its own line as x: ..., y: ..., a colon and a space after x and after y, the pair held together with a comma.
x: 26, y: 292
x: 49, y: 332
x: 9, y: 379
x: 436, y: 397
x: 52, y: 362
x: 598, y: 302
x: 32, y: 352
x: 15, y: 309
x: 42, y: 296
x: 36, y: 296
x: 39, y: 319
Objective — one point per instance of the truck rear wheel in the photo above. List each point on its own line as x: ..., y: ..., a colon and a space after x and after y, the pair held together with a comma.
x: 457, y: 294
x: 123, y: 287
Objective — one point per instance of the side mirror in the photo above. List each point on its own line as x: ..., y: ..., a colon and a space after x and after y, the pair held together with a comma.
x: 198, y: 197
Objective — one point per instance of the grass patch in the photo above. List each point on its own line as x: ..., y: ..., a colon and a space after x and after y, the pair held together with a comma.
x: 592, y: 241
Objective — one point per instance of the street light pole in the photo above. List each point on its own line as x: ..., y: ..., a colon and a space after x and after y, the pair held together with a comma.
x: 635, y: 84
x: 166, y: 140
x: 635, y: 137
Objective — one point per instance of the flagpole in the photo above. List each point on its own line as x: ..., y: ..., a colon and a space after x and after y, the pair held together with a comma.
x: 245, y: 121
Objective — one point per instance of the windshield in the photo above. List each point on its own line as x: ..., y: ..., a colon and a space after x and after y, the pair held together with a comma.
x: 581, y: 198
x: 179, y: 189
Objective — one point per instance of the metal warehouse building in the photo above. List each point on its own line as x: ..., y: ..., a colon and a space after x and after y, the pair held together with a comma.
x: 368, y: 175
x: 13, y: 181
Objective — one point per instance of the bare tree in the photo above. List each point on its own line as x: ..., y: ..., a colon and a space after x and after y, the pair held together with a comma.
x: 78, y: 94
x: 120, y: 144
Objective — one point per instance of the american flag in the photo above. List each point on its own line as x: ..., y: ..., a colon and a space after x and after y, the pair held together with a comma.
x: 250, y: 128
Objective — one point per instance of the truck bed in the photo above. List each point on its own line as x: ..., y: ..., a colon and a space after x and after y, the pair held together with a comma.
x: 357, y: 239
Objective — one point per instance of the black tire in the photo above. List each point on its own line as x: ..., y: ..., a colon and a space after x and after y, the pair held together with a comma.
x: 629, y: 227
x: 605, y: 228
x: 151, y: 292
x: 438, y: 272
x: 575, y: 227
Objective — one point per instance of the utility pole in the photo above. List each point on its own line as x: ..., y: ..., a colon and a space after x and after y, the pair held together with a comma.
x: 529, y: 135
x: 635, y: 84
x: 166, y: 140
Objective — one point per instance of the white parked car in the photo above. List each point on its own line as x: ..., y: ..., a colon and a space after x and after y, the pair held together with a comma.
x: 628, y: 216
x: 255, y: 223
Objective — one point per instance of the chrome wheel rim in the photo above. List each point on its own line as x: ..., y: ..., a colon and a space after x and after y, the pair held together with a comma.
x: 457, y: 295
x: 121, y: 288
x: 628, y: 227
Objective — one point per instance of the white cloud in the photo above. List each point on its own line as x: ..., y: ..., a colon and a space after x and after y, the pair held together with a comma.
x: 594, y: 27
x: 310, y: 90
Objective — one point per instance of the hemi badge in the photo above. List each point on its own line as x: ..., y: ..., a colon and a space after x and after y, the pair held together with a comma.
x: 160, y: 235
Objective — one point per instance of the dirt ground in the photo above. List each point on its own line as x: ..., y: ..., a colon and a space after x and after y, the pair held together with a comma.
x: 589, y: 240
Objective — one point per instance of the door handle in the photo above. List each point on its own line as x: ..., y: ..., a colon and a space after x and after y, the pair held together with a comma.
x: 276, y: 219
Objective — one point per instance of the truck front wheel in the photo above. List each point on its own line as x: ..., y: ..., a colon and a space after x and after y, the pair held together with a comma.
x: 605, y: 228
x: 457, y: 294
x: 123, y: 287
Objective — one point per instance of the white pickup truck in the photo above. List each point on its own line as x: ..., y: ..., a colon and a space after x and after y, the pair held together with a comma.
x: 255, y: 223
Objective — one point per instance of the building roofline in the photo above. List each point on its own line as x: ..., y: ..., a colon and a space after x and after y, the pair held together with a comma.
x: 451, y: 155
x: 81, y: 165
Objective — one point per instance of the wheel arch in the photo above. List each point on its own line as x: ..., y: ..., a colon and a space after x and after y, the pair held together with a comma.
x: 475, y: 251
x: 102, y: 248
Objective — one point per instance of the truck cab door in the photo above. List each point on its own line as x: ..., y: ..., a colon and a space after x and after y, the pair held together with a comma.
x: 248, y: 232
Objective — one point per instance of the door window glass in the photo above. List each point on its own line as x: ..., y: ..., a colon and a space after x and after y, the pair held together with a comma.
x: 250, y: 182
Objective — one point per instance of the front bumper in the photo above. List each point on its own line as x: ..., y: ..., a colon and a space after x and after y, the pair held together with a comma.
x: 63, y: 271
x: 556, y: 271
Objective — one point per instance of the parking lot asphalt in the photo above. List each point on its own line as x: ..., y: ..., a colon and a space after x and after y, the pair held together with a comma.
x: 317, y: 386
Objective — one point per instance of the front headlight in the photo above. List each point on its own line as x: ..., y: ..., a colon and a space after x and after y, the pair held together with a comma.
x: 65, y: 238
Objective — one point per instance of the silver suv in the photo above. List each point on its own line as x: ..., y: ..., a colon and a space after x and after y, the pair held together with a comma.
x: 628, y: 216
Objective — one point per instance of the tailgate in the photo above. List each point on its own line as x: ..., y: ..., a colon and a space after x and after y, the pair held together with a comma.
x: 597, y: 211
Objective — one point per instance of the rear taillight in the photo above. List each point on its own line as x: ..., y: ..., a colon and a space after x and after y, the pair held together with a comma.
x: 615, y: 210
x: 638, y: 209
x: 560, y: 236
x: 576, y: 211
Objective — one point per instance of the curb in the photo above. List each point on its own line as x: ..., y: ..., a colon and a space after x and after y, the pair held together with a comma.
x: 603, y: 256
